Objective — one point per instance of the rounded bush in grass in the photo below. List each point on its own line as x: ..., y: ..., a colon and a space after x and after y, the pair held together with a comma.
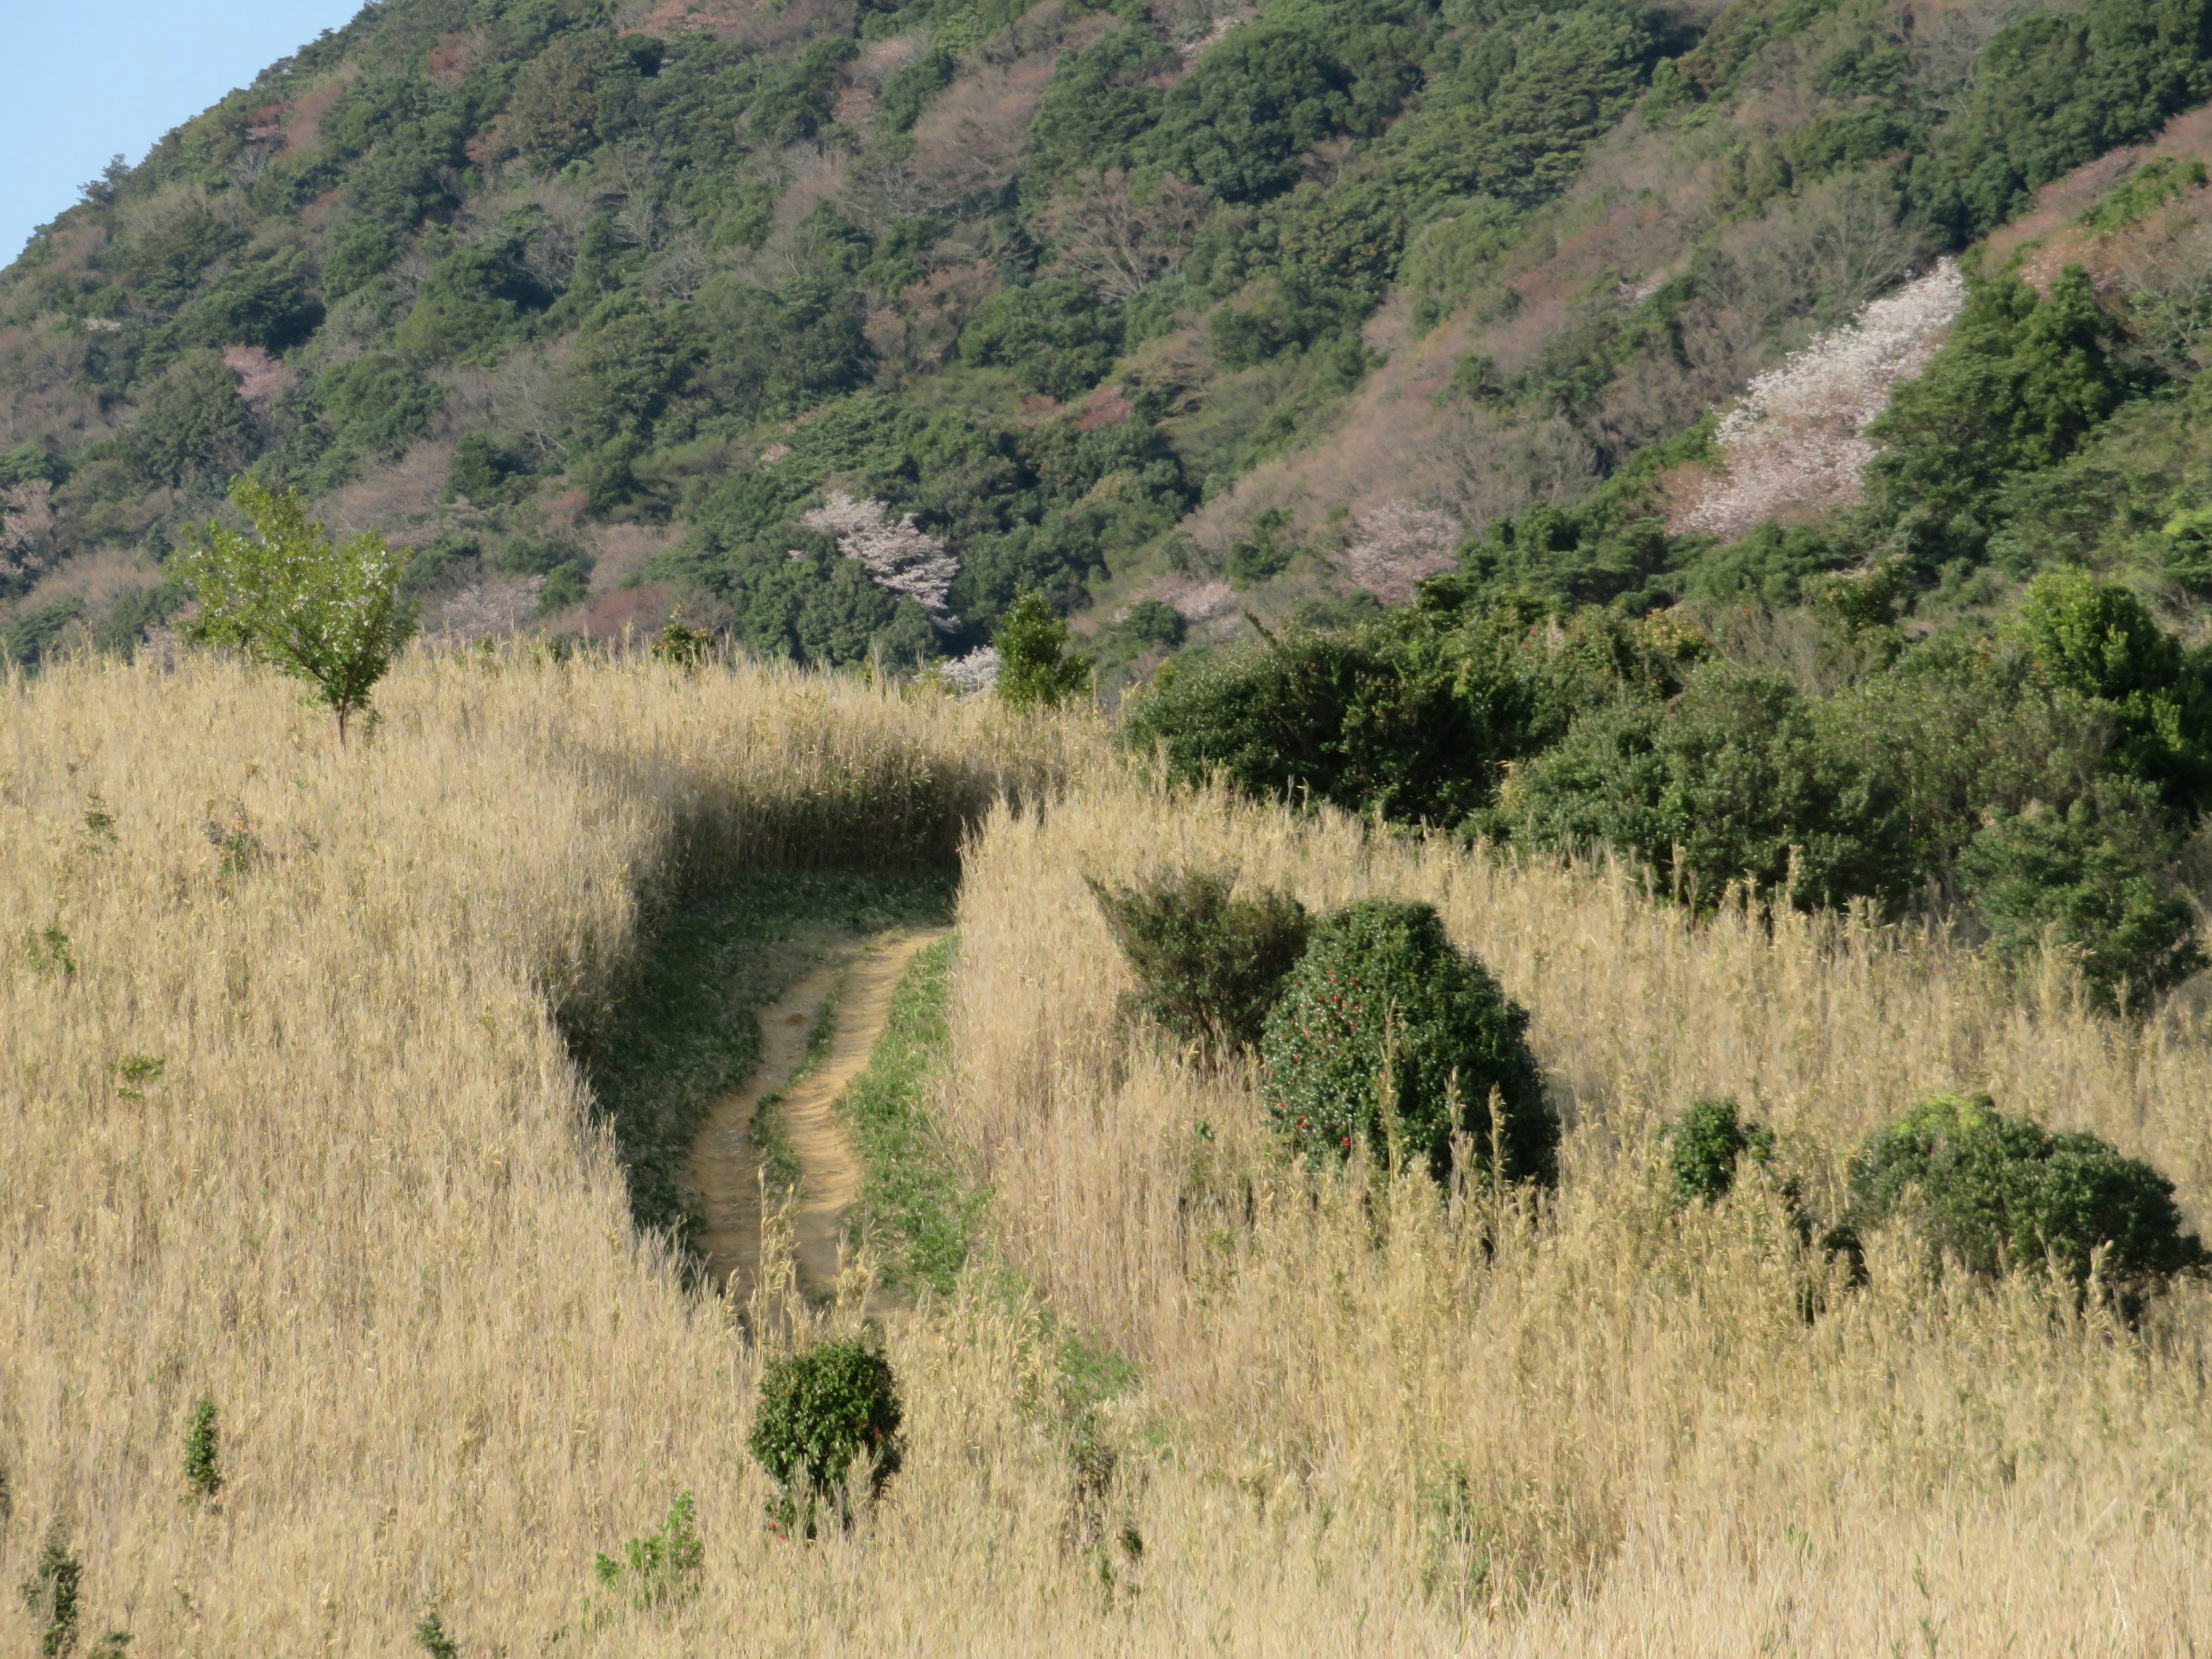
x: 1380, y: 984
x: 1705, y: 1144
x: 2001, y: 1194
x: 823, y: 1410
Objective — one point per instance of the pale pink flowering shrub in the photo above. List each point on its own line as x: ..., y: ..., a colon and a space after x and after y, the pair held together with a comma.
x: 26, y: 528
x: 496, y: 606
x: 1795, y: 442
x: 262, y: 379
x: 1394, y: 546
x: 898, y: 556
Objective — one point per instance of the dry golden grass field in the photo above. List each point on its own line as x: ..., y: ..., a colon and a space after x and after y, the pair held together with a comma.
x: 362, y: 1207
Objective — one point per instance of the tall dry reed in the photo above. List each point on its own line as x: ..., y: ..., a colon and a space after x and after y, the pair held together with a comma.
x: 361, y: 1207
x: 1587, y: 1402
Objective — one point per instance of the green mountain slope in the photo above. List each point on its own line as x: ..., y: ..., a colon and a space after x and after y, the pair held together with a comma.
x: 841, y: 324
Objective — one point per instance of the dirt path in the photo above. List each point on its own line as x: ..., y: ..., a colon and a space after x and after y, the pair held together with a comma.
x: 726, y: 1159
x: 830, y: 1178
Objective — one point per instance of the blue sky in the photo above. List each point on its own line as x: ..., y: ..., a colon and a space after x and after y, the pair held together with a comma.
x: 86, y: 78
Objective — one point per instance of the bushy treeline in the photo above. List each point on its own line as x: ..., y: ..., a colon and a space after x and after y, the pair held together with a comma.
x: 2047, y: 773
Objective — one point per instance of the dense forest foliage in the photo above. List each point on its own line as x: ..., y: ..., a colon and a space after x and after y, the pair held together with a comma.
x: 1368, y: 364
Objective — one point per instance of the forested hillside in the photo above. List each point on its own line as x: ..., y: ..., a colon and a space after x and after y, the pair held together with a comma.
x: 840, y: 324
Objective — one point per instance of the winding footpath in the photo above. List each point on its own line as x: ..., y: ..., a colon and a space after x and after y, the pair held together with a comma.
x: 858, y: 977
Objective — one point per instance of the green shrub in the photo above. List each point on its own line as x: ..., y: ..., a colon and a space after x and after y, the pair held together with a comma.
x: 51, y: 1593
x: 433, y: 1638
x: 2001, y: 1194
x: 470, y: 302
x: 2097, y: 641
x: 1391, y: 718
x: 1052, y: 334
x: 680, y: 645
x: 2085, y: 887
x: 820, y: 1411
x: 1263, y: 555
x: 1209, y: 965
x: 380, y: 401
x: 1380, y: 985
x: 2022, y: 380
x: 1705, y: 1144
x: 203, y: 1451
x: 193, y: 429
x: 663, y: 1568
x: 1035, y: 670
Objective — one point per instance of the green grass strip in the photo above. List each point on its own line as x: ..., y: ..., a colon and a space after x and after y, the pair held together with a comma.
x: 913, y: 1209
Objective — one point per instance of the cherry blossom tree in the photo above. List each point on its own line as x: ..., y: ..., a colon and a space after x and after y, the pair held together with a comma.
x: 1394, y: 546
x: 898, y: 556
x: 1795, y: 442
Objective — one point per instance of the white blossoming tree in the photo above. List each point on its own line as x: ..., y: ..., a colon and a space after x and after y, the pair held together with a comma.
x: 898, y: 556
x: 1797, y: 441
x: 1394, y: 546
x: 289, y: 594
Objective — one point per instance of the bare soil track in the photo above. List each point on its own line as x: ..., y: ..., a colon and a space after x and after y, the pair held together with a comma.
x: 859, y: 977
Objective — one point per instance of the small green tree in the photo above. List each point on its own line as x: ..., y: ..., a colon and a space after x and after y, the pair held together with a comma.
x: 1210, y: 965
x: 323, y: 610
x: 2001, y: 1194
x: 433, y: 1638
x: 1381, y: 988
x: 203, y: 1451
x: 680, y: 645
x: 820, y: 1411
x: 1035, y: 669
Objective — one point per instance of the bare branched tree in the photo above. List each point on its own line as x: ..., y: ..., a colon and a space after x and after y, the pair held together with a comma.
x: 1118, y: 244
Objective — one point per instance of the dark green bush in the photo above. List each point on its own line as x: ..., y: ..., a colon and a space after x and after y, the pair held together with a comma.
x: 1705, y: 1144
x: 2087, y: 886
x: 2000, y: 1194
x: 822, y: 1409
x: 193, y: 429
x: 2056, y: 88
x: 470, y: 303
x: 2098, y: 641
x: 1393, y: 718
x: 1099, y: 101
x: 1380, y: 985
x: 1730, y: 781
x: 2022, y: 379
x: 1239, y: 122
x: 1054, y: 335
x: 380, y: 401
x: 51, y: 1593
x: 1209, y: 965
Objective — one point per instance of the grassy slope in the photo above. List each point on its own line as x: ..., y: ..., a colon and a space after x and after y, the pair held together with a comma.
x: 354, y: 1209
